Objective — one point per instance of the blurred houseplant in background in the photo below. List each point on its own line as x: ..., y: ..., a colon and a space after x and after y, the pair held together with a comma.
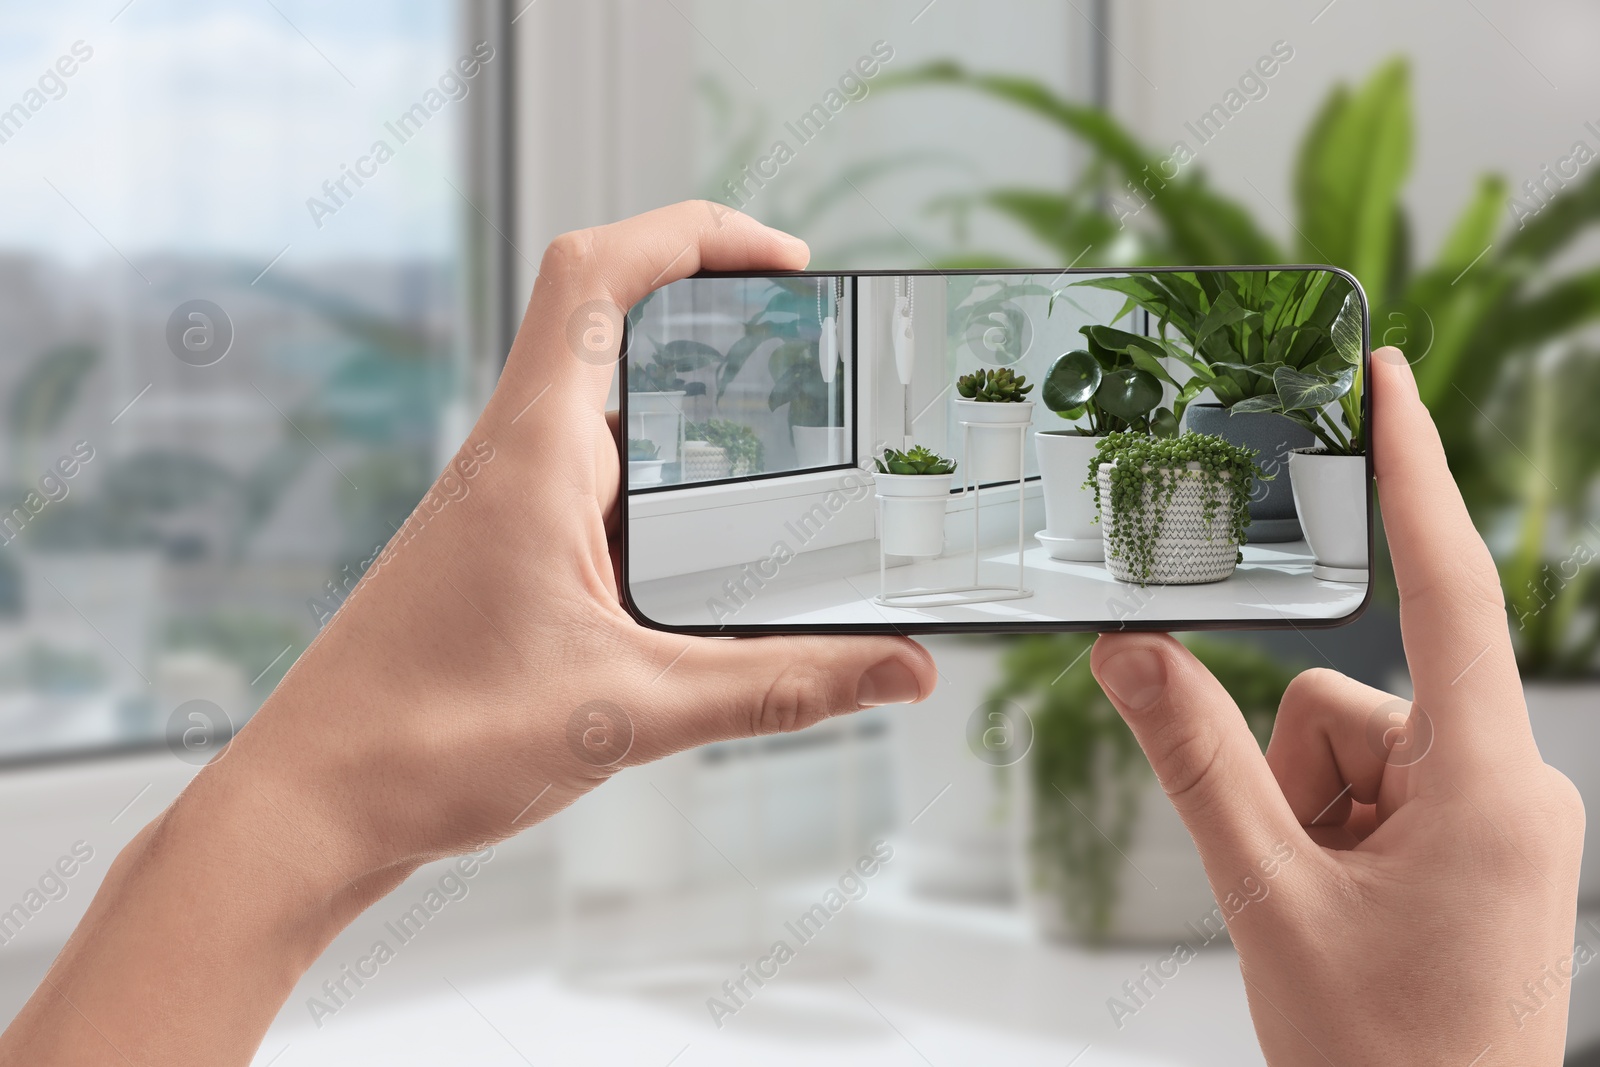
x: 1492, y: 323
x: 1473, y: 318
x: 1101, y: 837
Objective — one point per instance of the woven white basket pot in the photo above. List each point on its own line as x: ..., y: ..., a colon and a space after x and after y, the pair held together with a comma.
x: 1188, y: 550
x: 704, y: 462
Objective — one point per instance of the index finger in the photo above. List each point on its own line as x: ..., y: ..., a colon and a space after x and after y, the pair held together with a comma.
x: 1452, y: 611
x: 571, y: 334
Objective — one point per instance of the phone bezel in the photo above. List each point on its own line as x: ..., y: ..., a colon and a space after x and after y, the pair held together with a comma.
x: 1064, y: 626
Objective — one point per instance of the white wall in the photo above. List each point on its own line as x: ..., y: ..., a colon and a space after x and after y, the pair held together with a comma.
x: 1498, y: 86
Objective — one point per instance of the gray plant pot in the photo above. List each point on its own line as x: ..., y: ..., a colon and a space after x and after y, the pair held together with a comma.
x: 1272, y: 514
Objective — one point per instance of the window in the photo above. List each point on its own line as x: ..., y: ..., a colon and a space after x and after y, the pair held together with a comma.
x: 237, y: 351
x: 740, y: 378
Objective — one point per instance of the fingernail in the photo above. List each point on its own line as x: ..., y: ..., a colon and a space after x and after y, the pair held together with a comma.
x: 1397, y: 359
x: 890, y: 682
x: 1135, y: 678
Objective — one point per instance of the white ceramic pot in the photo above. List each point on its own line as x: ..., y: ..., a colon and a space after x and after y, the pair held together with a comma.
x: 994, y: 440
x: 1330, y: 496
x: 1188, y: 550
x: 818, y: 446
x: 645, y: 471
x: 657, y: 418
x: 913, y: 509
x: 1566, y: 724
x: 1070, y: 530
x: 1162, y: 895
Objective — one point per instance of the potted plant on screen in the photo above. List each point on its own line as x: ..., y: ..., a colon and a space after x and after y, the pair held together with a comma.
x: 720, y: 448
x: 655, y: 405
x: 1237, y: 328
x: 1173, y: 510
x: 913, y: 488
x: 1329, y: 480
x: 794, y: 316
x: 1114, y: 384
x: 644, y: 462
x: 994, y: 400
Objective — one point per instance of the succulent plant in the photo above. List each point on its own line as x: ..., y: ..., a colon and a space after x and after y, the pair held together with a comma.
x: 994, y: 385
x: 641, y: 448
x: 918, y: 460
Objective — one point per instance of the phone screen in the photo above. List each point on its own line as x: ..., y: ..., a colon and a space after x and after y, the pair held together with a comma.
x: 992, y: 451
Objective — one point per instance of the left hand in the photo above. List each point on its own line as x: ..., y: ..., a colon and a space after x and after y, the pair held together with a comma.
x: 480, y: 678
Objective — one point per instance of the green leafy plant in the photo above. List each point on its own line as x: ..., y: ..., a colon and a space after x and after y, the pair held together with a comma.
x: 640, y: 448
x: 745, y: 453
x: 1491, y: 298
x: 1145, y: 474
x: 918, y: 460
x: 1238, y: 327
x: 662, y: 376
x: 1306, y: 395
x: 997, y: 385
x: 1116, y: 382
x: 1085, y: 775
x: 790, y: 318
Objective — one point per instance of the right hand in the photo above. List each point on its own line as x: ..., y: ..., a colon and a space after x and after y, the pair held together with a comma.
x: 1427, y: 914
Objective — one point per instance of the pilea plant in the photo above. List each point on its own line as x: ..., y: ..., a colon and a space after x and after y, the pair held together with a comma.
x: 1116, y: 382
x: 997, y: 385
x: 640, y: 448
x: 1145, y: 474
x: 918, y: 460
x: 745, y: 453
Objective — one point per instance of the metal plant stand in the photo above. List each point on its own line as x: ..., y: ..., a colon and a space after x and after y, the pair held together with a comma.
x: 973, y: 593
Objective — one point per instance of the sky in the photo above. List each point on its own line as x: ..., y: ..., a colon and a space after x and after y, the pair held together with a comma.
x: 203, y: 128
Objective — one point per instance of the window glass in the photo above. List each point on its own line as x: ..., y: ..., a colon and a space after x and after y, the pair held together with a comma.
x: 232, y: 353
x: 740, y: 378
x: 1022, y: 322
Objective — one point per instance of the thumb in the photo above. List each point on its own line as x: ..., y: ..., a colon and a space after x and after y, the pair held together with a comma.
x: 1202, y: 751
x: 721, y: 688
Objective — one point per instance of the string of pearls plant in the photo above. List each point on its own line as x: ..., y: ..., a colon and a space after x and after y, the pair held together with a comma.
x: 1145, y: 474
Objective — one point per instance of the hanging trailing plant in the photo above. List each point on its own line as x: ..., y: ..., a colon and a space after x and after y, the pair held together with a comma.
x: 1145, y: 475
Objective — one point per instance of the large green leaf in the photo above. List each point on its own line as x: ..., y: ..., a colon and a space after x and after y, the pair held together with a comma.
x: 1129, y: 394
x: 1071, y: 380
x: 1347, y: 179
x: 1298, y: 391
x: 686, y: 354
x: 1346, y: 330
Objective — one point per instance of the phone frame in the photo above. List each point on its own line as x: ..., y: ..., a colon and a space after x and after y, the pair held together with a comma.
x: 624, y: 590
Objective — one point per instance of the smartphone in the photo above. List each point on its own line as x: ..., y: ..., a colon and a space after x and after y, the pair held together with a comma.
x: 997, y: 451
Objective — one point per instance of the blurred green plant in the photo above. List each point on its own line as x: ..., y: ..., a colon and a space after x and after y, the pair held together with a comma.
x: 1470, y: 319
x: 250, y: 640
x: 790, y: 317
x: 1085, y: 776
x: 42, y: 668
x: 745, y: 454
